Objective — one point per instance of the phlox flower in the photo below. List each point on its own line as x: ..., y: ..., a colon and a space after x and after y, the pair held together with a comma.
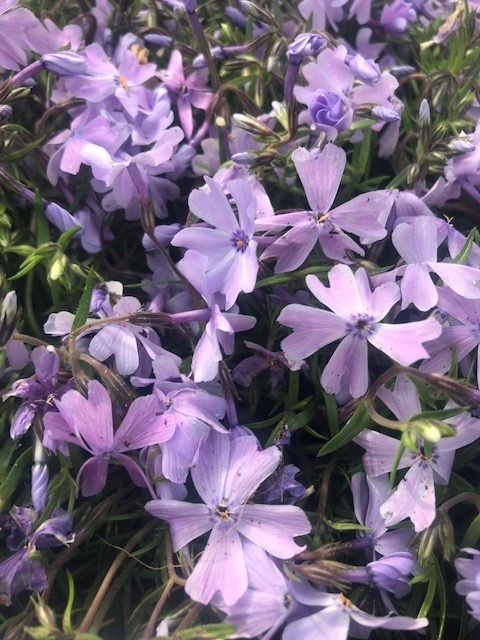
x: 229, y: 246
x: 332, y: 94
x: 355, y: 317
x: 416, y: 242
x: 228, y: 470
x: 320, y: 174
x: 190, y: 91
x: 469, y: 586
x: 339, y: 616
x: 88, y: 423
x: 369, y: 493
x: 414, y: 496
x: 16, y: 24
x: 21, y: 571
x: 221, y: 326
x: 36, y: 391
x: 119, y: 77
x: 461, y: 337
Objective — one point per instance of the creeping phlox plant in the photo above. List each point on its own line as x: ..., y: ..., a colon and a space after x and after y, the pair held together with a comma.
x: 239, y: 319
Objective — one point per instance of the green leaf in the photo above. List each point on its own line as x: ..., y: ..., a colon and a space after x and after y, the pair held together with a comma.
x: 357, y: 423
x: 207, y: 632
x: 66, y: 237
x: 347, y: 526
x: 67, y: 614
x: 462, y: 255
x: 31, y: 264
x: 12, y: 480
x: 83, y: 308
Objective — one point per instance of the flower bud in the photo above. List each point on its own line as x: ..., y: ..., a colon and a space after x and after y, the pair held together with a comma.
x: 65, y: 63
x: 461, y: 145
x: 8, y: 317
x: 158, y: 40
x: 365, y: 70
x: 424, y: 113
x: 5, y: 112
x: 383, y: 114
x: 304, y: 45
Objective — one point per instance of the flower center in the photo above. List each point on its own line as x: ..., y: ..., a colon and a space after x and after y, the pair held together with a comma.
x: 345, y: 601
x: 362, y: 325
x: 123, y: 82
x: 222, y: 512
x: 240, y: 240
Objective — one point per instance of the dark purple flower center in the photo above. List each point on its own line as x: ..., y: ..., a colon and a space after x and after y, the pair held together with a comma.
x: 240, y: 240
x: 362, y: 325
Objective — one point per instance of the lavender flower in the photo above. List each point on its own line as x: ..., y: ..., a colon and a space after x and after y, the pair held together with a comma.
x: 190, y: 91
x: 321, y: 175
x: 414, y: 496
x: 228, y: 471
x: 88, y: 423
x: 469, y: 569
x: 38, y: 390
x: 304, y: 45
x: 231, y: 250
x: 20, y: 572
x: 416, y: 242
x: 396, y: 17
x: 358, y: 322
x: 336, y: 616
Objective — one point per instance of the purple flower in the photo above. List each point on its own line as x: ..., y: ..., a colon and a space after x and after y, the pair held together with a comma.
x: 355, y: 317
x: 275, y: 361
x: 416, y: 242
x: 336, y: 616
x: 38, y: 390
x: 365, y: 70
x: 221, y: 327
x: 267, y: 603
x: 304, y: 45
x: 15, y: 25
x: 396, y: 17
x: 190, y: 413
x: 20, y: 572
x: 461, y: 337
x: 469, y: 569
x: 190, y: 91
x: 332, y: 84
x: 331, y: 110
x: 320, y: 175
x: 369, y: 493
x: 230, y: 248
x: 389, y: 573
x: 88, y: 423
x: 227, y: 473
x: 414, y: 496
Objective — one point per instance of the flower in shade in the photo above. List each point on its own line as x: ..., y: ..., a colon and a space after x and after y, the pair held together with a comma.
x: 21, y: 572
x: 37, y: 391
x: 321, y: 174
x: 369, y: 493
x: 88, y: 423
x: 396, y: 17
x: 469, y: 569
x: 355, y: 318
x: 228, y: 470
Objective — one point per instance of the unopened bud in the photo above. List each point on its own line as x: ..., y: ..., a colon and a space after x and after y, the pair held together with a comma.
x: 424, y: 112
x: 8, y: 317
x: 383, y: 114
x: 252, y: 125
x: 365, y: 70
x: 5, y: 112
x: 58, y: 266
x: 65, y: 63
x: 461, y: 145
x: 158, y: 40
x: 430, y: 430
x: 304, y: 45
